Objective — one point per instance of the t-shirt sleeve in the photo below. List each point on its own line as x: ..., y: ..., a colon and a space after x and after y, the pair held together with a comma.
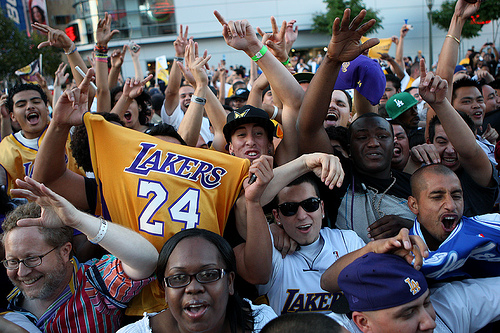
x: 113, y: 282
x: 468, y: 305
x: 277, y: 262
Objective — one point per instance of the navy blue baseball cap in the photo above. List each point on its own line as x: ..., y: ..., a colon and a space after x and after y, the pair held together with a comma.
x: 380, y: 281
x: 363, y: 74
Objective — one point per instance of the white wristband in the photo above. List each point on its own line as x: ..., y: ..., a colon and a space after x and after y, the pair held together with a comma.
x: 199, y: 100
x: 275, y: 112
x: 102, y: 231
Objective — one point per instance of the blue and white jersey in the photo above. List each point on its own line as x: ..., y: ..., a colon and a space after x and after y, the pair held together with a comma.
x: 294, y: 285
x: 471, y: 250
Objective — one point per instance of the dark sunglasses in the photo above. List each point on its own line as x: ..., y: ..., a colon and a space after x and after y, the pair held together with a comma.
x: 290, y: 208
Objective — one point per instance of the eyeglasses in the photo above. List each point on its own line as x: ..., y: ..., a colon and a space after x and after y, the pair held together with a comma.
x: 205, y: 276
x: 29, y: 262
x: 290, y: 208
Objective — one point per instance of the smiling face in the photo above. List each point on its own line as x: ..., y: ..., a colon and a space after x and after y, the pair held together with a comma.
x: 447, y: 153
x: 438, y: 204
x: 338, y: 111
x: 372, y: 146
x: 388, y: 92
x: 491, y: 99
x: 250, y: 141
x: 185, y: 94
x: 303, y: 227
x: 43, y: 282
x: 401, y: 148
x: 30, y: 112
x: 417, y: 316
x: 470, y: 101
x: 198, y: 307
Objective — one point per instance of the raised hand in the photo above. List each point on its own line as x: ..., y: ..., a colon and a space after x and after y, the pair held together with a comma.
x: 291, y: 34
x: 117, y: 56
x: 239, y: 35
x: 262, y: 168
x: 103, y: 32
x: 465, y: 9
x: 56, y: 211
x: 409, y: 247
x: 61, y: 75
x: 327, y: 167
x: 195, y: 65
x: 276, y: 40
x: 4, y: 113
x: 134, y: 88
x: 55, y: 37
x: 344, y: 44
x: 432, y: 87
x: 181, y: 42
x: 73, y: 103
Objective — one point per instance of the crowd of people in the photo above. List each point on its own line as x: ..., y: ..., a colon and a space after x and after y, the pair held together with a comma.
x: 340, y: 194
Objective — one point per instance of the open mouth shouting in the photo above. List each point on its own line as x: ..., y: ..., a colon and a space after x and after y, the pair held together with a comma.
x: 128, y: 116
x: 196, y: 309
x: 449, y: 222
x: 33, y: 117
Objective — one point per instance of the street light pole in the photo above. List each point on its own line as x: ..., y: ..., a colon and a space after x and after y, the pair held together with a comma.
x: 429, y: 5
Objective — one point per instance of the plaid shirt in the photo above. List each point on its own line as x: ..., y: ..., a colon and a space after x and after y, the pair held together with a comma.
x: 92, y: 301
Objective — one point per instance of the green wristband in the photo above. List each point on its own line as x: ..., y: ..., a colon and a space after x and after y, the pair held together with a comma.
x: 286, y: 62
x: 260, y: 54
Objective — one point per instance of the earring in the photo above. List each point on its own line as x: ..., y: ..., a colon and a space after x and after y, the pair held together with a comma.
x: 269, y: 151
x: 232, y: 154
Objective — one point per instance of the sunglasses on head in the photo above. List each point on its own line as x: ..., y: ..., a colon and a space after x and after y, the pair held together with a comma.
x: 290, y: 208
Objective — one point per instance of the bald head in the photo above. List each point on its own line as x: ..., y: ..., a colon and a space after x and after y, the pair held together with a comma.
x: 419, y: 177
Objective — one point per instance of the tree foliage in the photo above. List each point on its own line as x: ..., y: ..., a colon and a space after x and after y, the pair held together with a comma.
x: 335, y: 8
x: 18, y: 50
x: 489, y: 10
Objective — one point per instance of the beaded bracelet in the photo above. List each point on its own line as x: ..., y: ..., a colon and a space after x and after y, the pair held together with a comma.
x: 98, y: 48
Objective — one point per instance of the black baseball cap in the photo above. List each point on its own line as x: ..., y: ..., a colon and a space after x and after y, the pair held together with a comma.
x: 248, y: 114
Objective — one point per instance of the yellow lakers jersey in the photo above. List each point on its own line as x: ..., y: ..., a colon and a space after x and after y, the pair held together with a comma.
x: 17, y: 158
x: 158, y: 188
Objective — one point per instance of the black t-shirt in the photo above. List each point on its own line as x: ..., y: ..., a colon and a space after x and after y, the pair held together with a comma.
x: 333, y: 198
x: 478, y: 200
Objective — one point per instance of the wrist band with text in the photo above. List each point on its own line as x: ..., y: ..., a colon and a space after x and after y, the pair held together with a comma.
x: 260, y: 54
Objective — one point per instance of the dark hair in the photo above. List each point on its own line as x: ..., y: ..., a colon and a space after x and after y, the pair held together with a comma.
x: 157, y: 101
x: 464, y: 82
x: 143, y: 102
x: 349, y: 98
x: 395, y: 81
x: 495, y: 84
x: 165, y: 130
x: 309, y: 178
x: 368, y: 115
x: 302, y: 322
x: 22, y: 87
x: 339, y: 133
x: 53, y: 236
x: 238, y: 312
x: 416, y: 178
x: 40, y: 10
x: 410, y: 88
x: 240, y: 71
x: 435, y: 121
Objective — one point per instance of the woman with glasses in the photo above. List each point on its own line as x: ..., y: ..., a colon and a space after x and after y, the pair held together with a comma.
x: 196, y: 268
